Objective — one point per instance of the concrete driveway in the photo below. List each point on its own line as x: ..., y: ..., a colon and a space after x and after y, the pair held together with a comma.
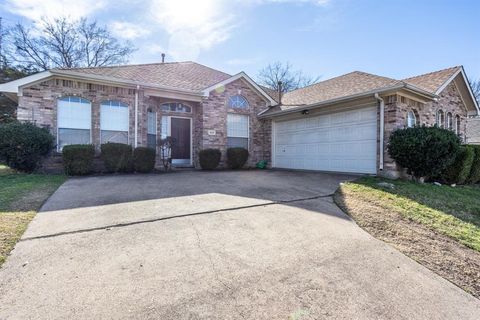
x: 213, y: 245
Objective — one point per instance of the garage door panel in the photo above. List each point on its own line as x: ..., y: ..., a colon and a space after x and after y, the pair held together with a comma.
x: 345, y: 141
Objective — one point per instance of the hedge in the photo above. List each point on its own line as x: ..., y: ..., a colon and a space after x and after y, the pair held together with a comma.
x: 22, y: 145
x: 117, y: 157
x: 236, y: 157
x: 209, y: 158
x: 143, y: 159
x: 459, y: 170
x: 78, y: 159
x: 474, y: 176
x: 424, y: 151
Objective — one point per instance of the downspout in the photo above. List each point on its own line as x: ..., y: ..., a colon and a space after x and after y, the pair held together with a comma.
x: 136, y: 116
x: 382, y: 129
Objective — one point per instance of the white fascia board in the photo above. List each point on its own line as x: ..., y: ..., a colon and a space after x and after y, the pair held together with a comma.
x: 347, y: 98
x: 243, y: 75
x: 446, y: 83
x: 15, y: 85
x: 475, y: 102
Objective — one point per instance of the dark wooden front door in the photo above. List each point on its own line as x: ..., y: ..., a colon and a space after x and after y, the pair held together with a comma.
x: 180, y: 132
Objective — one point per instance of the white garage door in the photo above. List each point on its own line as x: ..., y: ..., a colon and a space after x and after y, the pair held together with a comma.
x: 343, y: 142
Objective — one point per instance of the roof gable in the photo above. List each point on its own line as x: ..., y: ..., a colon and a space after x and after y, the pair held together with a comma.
x: 433, y: 81
x: 244, y: 76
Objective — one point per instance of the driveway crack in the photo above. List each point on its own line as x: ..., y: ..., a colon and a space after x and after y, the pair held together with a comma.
x: 126, y: 224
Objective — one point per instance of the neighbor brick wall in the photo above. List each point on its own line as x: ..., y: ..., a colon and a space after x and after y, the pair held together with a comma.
x: 396, y: 108
x: 214, y: 117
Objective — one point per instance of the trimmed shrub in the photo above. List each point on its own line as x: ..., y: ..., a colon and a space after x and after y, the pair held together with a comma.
x: 117, y: 157
x: 474, y: 176
x: 78, y: 159
x: 209, y: 158
x: 22, y: 145
x: 424, y: 151
x: 236, y: 157
x: 143, y: 159
x: 459, y: 170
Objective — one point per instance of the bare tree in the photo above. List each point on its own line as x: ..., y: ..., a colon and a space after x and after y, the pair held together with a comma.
x: 291, y: 79
x: 62, y: 43
x: 475, y: 84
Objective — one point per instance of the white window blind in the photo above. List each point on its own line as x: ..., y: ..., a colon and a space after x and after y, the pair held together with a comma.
x: 113, y: 116
x: 237, y: 125
x: 237, y: 130
x: 74, y: 120
x: 74, y: 113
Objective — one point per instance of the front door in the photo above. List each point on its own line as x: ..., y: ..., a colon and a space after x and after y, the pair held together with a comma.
x: 181, y: 135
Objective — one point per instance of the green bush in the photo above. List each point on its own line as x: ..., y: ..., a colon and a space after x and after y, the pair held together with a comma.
x: 22, y: 145
x: 459, y: 170
x: 117, y: 157
x: 236, y: 157
x: 78, y: 159
x: 143, y: 159
x: 209, y: 158
x: 474, y: 176
x: 424, y: 151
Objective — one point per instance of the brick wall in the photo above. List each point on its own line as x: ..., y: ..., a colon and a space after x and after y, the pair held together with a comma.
x: 215, y: 118
x: 39, y: 104
x: 397, y: 106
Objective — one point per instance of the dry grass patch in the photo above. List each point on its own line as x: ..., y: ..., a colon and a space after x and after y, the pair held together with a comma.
x: 437, y: 226
x: 21, y: 195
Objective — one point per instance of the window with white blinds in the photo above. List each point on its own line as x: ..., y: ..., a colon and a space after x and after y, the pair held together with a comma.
x: 74, y: 121
x: 237, y: 130
x: 114, y: 122
x: 151, y: 129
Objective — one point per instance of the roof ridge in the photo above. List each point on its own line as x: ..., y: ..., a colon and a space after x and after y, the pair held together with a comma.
x: 432, y: 72
x: 139, y: 65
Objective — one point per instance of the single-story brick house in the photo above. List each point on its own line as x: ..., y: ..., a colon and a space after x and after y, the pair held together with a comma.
x: 341, y: 124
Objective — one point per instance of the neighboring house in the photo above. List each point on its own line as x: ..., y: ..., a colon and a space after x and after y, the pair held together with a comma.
x: 334, y: 125
x: 473, y: 130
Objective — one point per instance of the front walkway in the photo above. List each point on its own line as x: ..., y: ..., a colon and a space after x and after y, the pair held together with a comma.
x: 216, y: 245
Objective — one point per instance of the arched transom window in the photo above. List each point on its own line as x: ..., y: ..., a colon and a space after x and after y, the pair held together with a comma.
x: 411, y: 119
x: 237, y: 102
x: 176, y: 107
x: 113, y: 122
x: 74, y: 121
x: 440, y: 119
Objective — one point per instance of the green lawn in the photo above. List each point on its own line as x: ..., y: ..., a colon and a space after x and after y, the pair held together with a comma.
x: 21, y: 195
x: 452, y: 211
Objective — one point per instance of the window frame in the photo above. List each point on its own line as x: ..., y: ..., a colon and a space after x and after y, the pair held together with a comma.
x: 176, y: 103
x: 120, y: 105
x: 411, y: 112
x: 58, y: 127
x: 457, y: 124
x: 449, y: 121
x: 248, y: 129
x: 440, y: 122
x: 229, y: 104
x: 150, y: 111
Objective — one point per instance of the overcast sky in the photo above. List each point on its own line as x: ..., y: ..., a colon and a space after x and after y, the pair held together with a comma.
x: 394, y: 38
